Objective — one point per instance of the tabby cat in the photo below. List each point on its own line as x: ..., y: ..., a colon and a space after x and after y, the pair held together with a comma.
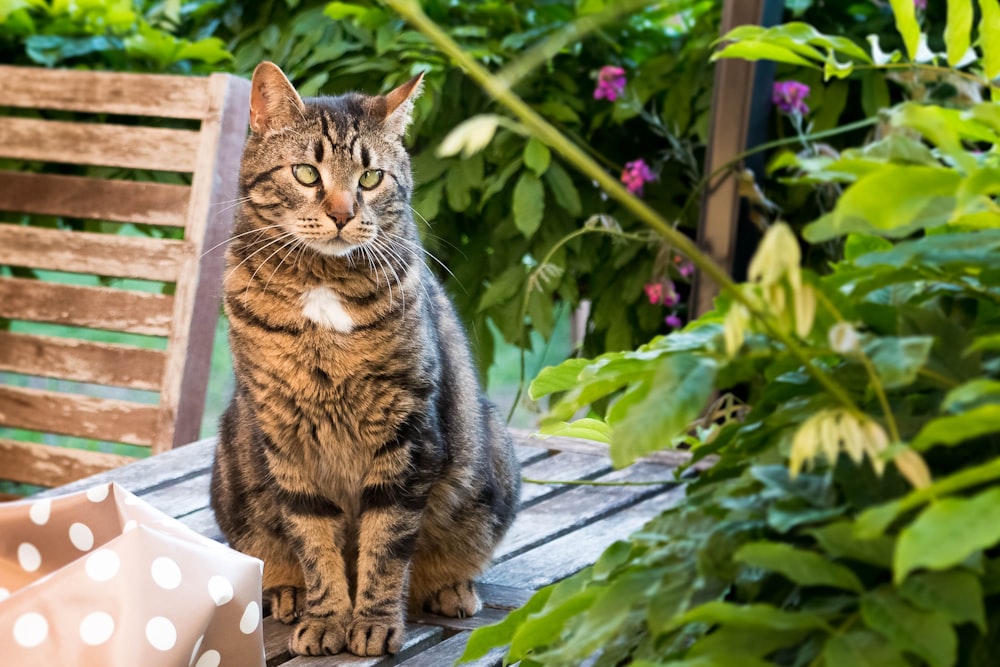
x: 358, y: 458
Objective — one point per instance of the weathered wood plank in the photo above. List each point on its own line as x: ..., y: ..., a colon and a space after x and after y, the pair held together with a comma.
x: 105, y: 92
x: 158, y: 471
x: 668, y: 457
x: 561, y: 557
x: 563, y: 466
x: 45, y: 465
x: 103, y: 144
x: 94, y: 198
x: 417, y: 638
x: 203, y: 522
x: 182, y: 498
x: 81, y: 416
x: 577, y: 507
x: 505, y: 598
x: 97, y: 254
x: 450, y: 650
x: 91, y: 307
x: 81, y: 361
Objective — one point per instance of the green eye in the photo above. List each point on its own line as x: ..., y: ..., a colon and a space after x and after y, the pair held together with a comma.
x: 305, y: 174
x: 370, y: 178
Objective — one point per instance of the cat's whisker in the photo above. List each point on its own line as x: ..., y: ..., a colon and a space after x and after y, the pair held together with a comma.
x: 259, y: 231
x: 416, y: 246
x: 380, y: 249
x: 293, y: 244
x: 253, y: 277
x: 437, y: 237
x: 246, y: 259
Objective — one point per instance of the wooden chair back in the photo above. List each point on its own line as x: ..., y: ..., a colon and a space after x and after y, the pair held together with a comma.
x: 129, y: 254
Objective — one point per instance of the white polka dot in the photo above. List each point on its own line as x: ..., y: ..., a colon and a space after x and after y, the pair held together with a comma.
x: 161, y: 633
x: 209, y: 659
x: 220, y: 589
x: 97, y: 628
x: 97, y: 494
x: 251, y: 618
x: 166, y: 573
x: 29, y: 557
x: 81, y: 537
x: 197, y: 647
x: 4, y: 593
x: 130, y: 525
x: 40, y: 511
x: 102, y: 565
x: 30, y: 630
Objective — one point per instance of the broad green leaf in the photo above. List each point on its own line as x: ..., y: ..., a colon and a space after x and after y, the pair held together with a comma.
x: 972, y: 393
x: 543, y: 628
x: 955, y: 593
x: 948, y: 532
x: 586, y: 428
x: 760, y: 50
x: 958, y: 29
x: 956, y: 429
x: 906, y: 24
x: 861, y: 648
x: 857, y: 245
x: 753, y: 616
x: 529, y: 204
x: 563, y: 190
x: 537, y: 156
x: 503, y: 288
x: 840, y: 541
x: 972, y: 249
x: 470, y: 136
x: 898, y: 359
x: 923, y: 197
x: 552, y: 379
x: 945, y: 128
x: 488, y: 637
x: 987, y: 342
x: 651, y: 414
x: 989, y: 38
x: 805, y: 568
x: 752, y: 642
x: 925, y: 634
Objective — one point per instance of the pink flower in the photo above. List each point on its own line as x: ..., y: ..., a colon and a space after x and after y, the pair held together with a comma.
x: 610, y: 83
x: 790, y: 96
x: 654, y: 292
x: 686, y: 269
x: 920, y: 4
x: 662, y: 293
x: 673, y: 321
x: 636, y: 174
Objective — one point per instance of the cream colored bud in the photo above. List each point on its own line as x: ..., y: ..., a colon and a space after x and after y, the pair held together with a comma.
x: 777, y: 254
x: 805, y: 310
x: 805, y: 445
x: 843, y: 338
x: 875, y: 442
x: 734, y: 328
x: 913, y: 467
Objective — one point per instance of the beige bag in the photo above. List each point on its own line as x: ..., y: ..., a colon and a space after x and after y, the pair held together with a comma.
x: 101, y: 579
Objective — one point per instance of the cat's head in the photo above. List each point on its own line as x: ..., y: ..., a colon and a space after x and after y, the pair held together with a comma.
x: 328, y: 172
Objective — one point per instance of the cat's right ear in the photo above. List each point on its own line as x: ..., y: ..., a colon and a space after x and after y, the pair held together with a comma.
x: 274, y: 104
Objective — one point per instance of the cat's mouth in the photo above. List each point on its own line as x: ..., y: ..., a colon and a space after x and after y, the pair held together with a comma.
x: 336, y: 246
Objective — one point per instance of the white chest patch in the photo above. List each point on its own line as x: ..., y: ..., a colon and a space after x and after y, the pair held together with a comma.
x: 322, y: 306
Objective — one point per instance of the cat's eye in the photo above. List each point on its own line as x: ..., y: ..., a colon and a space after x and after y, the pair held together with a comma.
x: 370, y: 178
x: 305, y: 174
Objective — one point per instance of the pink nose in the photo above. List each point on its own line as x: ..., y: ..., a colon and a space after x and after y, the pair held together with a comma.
x: 340, y: 208
x: 341, y: 217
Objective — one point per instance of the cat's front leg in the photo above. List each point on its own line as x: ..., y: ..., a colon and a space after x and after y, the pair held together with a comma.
x: 319, y: 540
x: 387, y: 535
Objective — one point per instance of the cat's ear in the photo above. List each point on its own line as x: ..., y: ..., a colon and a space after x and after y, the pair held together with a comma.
x: 399, y: 104
x: 274, y: 104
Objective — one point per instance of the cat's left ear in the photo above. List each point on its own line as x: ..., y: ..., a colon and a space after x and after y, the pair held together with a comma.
x: 399, y: 104
x: 274, y: 104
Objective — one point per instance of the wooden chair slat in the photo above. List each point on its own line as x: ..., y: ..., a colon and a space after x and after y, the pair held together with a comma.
x: 98, y: 144
x: 97, y: 254
x: 107, y: 419
x: 105, y: 92
x: 82, y: 361
x: 90, y: 307
x: 95, y: 198
x: 48, y: 465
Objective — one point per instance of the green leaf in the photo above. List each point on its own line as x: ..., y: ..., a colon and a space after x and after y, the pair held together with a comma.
x: 760, y: 615
x: 898, y: 359
x: 906, y: 24
x: 543, y: 628
x: 529, y: 204
x: 972, y: 249
x: 955, y: 593
x: 586, y: 428
x: 761, y: 50
x: 957, y: 30
x: 484, y: 639
x: 987, y: 342
x: 805, y: 568
x: 948, y: 532
x: 552, y: 379
x: 926, y: 634
x: 840, y: 541
x: 970, y: 394
x: 652, y: 413
x: 861, y: 648
x: 537, y: 156
x: 563, y: 190
x: 989, y: 37
x: 503, y: 288
x: 956, y: 429
x: 857, y: 245
x: 923, y: 197
x: 758, y: 642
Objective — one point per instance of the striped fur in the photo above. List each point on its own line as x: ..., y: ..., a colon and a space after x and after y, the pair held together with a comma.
x: 358, y: 459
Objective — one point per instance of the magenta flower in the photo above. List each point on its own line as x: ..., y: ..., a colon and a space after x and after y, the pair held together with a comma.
x: 673, y: 321
x: 920, y: 4
x: 790, y: 96
x: 610, y: 83
x: 654, y: 292
x: 662, y: 293
x: 636, y: 174
x: 686, y: 269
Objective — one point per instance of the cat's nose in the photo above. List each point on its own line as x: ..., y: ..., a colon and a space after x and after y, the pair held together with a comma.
x: 341, y: 217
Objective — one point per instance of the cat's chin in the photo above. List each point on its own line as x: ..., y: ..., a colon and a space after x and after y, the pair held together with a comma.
x: 333, y: 247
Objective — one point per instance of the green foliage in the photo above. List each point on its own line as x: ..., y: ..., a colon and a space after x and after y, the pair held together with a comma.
x: 849, y: 517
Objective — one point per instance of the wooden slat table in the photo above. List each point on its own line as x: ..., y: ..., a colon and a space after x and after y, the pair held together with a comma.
x: 560, y: 529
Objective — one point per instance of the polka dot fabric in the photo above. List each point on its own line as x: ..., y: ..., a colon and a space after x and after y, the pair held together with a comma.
x: 100, y: 578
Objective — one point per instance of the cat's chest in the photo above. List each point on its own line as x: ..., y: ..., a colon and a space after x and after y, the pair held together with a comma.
x: 322, y: 306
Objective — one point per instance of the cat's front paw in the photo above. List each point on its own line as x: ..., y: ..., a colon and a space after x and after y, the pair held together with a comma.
x: 318, y: 636
x: 375, y: 636
x: 456, y: 600
x: 287, y: 603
